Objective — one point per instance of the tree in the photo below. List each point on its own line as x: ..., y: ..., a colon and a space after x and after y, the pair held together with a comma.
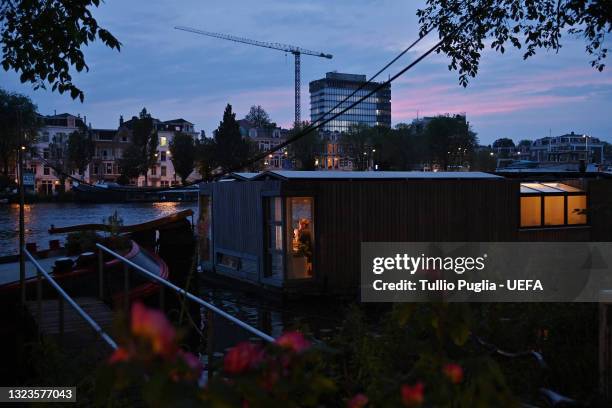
x: 205, y: 157
x: 530, y: 24
x: 450, y: 140
x: 304, y: 150
x: 58, y: 158
x: 358, y: 143
x: 19, y: 124
x: 503, y: 142
x: 141, y: 155
x: 183, y: 152
x: 80, y: 150
x: 231, y: 150
x: 258, y: 116
x: 42, y: 40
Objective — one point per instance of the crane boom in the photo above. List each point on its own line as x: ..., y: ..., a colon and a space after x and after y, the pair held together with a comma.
x: 296, y: 51
x: 273, y: 45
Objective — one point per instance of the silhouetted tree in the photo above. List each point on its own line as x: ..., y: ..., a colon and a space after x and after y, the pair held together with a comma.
x: 183, y: 152
x: 80, y: 150
x: 258, y: 116
x: 140, y: 156
x: 42, y: 40
x: 522, y: 24
x: 450, y: 140
x: 231, y: 150
x: 303, y: 152
x: 19, y: 122
x: 205, y: 157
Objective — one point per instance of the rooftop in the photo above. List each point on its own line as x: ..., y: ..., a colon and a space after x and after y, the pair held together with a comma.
x: 371, y: 175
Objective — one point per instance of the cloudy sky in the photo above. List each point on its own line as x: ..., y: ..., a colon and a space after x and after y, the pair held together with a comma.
x: 178, y: 74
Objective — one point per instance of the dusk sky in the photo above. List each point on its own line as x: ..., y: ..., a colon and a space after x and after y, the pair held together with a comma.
x: 178, y: 74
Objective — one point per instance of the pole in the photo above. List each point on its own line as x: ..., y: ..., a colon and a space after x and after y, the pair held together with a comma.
x: 20, y: 153
x: 297, y: 90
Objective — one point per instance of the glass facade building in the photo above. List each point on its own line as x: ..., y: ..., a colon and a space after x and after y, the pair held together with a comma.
x: 327, y: 92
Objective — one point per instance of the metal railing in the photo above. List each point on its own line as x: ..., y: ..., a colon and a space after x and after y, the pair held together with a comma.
x: 188, y: 295
x: 211, y: 309
x: 63, y: 297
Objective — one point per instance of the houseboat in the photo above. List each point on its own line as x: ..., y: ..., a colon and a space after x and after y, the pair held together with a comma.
x: 301, y: 231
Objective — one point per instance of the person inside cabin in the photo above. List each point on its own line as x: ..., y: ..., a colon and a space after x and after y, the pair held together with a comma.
x: 303, y: 242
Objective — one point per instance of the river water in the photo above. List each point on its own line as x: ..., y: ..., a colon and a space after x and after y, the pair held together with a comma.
x: 40, y: 216
x: 314, y: 318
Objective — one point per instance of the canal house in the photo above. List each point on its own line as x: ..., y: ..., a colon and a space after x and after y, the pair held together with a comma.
x: 302, y: 230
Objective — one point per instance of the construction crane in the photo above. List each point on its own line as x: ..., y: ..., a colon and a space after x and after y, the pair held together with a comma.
x: 296, y: 51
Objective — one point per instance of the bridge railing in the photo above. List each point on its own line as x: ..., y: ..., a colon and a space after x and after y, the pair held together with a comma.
x: 165, y: 284
x: 62, y: 299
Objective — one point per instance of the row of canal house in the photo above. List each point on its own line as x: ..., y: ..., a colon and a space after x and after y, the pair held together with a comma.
x: 302, y: 230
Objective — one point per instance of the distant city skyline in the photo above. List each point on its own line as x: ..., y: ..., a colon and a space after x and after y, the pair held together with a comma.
x: 177, y: 74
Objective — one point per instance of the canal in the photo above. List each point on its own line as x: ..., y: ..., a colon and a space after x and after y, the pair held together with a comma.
x: 313, y: 317
x: 40, y: 216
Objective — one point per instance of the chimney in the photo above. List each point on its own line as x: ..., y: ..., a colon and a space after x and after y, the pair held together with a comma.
x: 85, y: 120
x: 54, y: 112
x: 120, y: 120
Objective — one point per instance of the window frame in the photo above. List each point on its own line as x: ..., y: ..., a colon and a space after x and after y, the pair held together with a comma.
x: 542, y: 195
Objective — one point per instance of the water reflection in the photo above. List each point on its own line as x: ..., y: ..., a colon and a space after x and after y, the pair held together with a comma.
x: 40, y: 216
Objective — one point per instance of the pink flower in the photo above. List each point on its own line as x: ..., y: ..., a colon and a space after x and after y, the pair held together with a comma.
x: 454, y: 372
x: 294, y: 341
x: 153, y: 326
x: 413, y: 395
x: 192, y: 361
x: 358, y: 401
x: 242, y: 357
x: 119, y: 355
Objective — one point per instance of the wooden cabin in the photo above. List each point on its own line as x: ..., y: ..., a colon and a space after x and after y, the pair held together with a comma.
x: 302, y: 230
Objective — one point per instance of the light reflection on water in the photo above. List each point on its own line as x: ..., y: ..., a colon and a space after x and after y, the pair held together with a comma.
x: 40, y: 216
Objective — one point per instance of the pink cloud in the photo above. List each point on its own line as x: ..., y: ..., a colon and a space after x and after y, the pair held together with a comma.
x: 510, y: 93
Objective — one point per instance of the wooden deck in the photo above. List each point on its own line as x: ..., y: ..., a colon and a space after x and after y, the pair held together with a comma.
x: 78, y: 334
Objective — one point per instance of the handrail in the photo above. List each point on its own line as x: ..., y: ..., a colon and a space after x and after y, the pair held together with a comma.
x: 190, y: 296
x: 72, y: 303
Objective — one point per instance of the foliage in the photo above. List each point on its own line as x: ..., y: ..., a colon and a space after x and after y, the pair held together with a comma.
x: 42, y: 40
x: 531, y: 25
x: 450, y: 141
x: 503, y: 142
x: 420, y: 356
x: 183, y: 152
x: 305, y: 149
x: 359, y: 142
x: 483, y: 159
x: 140, y: 156
x: 58, y: 158
x: 18, y: 118
x: 80, y: 150
x: 258, y: 117
x: 205, y: 159
x: 231, y: 150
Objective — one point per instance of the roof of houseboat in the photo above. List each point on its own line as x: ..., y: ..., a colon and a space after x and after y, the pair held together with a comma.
x: 372, y: 175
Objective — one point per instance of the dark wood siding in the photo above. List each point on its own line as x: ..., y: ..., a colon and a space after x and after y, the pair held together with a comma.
x: 350, y: 212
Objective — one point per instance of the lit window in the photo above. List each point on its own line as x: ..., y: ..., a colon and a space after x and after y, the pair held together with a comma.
x: 576, y: 205
x: 531, y: 211
x: 554, y: 213
x: 163, y: 141
x: 552, y: 205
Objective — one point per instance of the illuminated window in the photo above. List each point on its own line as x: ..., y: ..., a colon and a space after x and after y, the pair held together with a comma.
x: 576, y: 205
x: 163, y: 141
x: 554, y: 210
x: 531, y: 211
x: 552, y: 205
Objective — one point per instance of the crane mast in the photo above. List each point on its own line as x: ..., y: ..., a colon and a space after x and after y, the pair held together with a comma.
x: 296, y: 51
